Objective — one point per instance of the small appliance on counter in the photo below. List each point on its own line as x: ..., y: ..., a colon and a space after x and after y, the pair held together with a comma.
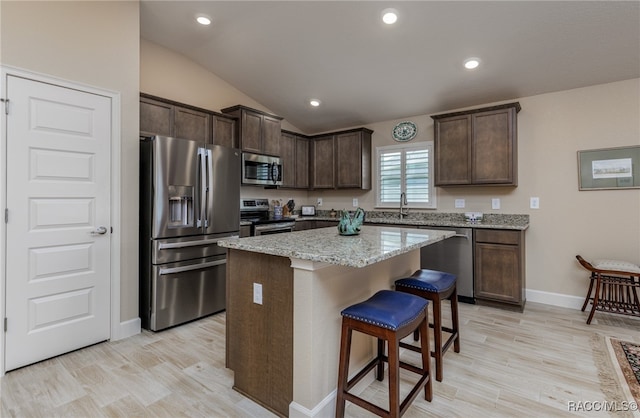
x: 473, y: 217
x: 256, y: 211
x: 308, y: 210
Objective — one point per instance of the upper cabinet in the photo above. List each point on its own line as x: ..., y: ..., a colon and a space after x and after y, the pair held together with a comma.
x: 341, y: 160
x: 322, y: 161
x: 257, y: 131
x: 477, y: 147
x: 353, y: 159
x: 294, y: 155
x: 168, y: 118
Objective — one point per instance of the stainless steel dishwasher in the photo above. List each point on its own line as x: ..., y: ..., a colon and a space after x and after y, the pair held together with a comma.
x: 453, y: 255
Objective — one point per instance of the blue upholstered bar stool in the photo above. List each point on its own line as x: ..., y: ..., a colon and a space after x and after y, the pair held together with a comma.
x: 389, y: 316
x: 435, y: 286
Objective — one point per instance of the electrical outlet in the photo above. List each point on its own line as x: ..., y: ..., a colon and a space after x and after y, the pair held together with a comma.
x: 534, y: 203
x: 319, y: 201
x: 495, y: 203
x: 459, y: 203
x: 355, y: 202
x: 257, y: 293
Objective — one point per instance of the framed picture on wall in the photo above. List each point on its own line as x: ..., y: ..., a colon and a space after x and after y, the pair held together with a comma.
x: 609, y: 168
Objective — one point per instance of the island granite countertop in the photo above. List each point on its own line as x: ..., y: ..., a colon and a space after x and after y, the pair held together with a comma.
x: 372, y: 245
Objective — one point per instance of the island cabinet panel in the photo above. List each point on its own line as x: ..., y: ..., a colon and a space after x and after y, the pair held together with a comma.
x: 499, y: 268
x: 477, y: 147
x: 294, y: 154
x: 260, y: 336
x: 258, y: 132
x: 322, y: 163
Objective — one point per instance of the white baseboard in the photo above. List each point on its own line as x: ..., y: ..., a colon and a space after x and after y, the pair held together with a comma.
x: 555, y: 299
x: 127, y: 329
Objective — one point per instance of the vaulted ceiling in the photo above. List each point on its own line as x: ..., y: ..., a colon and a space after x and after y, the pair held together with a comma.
x: 283, y: 53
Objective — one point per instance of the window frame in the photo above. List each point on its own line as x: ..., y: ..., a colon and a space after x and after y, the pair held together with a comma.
x: 403, y: 148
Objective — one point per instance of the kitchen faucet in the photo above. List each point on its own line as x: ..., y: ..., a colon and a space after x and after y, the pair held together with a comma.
x: 403, y: 201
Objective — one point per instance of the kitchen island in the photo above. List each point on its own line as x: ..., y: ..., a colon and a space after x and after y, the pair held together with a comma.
x: 284, y: 297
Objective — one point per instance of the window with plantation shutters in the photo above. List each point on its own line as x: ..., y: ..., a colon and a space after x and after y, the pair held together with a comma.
x: 405, y: 169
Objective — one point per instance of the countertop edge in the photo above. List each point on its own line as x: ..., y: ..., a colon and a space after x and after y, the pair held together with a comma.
x: 246, y: 244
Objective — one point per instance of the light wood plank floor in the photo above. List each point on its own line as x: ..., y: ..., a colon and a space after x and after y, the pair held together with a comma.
x: 511, y: 364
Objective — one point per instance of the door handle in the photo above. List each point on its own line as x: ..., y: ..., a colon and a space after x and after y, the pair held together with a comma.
x: 101, y: 230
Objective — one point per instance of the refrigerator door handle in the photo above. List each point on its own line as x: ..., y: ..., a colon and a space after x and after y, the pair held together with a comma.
x: 202, y: 186
x: 208, y: 185
x: 200, y: 266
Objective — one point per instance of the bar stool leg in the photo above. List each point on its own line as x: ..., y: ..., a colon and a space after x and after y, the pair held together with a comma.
x: 437, y: 333
x: 380, y: 368
x: 394, y: 377
x: 454, y: 319
x: 343, y: 372
x: 426, y: 358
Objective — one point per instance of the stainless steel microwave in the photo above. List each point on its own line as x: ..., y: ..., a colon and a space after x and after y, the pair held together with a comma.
x: 261, y: 169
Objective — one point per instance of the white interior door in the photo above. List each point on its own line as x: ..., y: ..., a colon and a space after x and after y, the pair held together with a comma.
x: 58, y: 230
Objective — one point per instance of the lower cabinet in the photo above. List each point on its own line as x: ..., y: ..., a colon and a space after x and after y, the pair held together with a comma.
x: 499, y: 268
x: 245, y: 231
x: 326, y: 224
x: 304, y: 225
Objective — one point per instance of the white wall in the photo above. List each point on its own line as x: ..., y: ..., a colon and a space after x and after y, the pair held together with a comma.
x: 551, y: 129
x: 97, y: 44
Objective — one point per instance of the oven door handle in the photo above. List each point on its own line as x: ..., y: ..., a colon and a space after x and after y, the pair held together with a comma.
x: 201, y: 266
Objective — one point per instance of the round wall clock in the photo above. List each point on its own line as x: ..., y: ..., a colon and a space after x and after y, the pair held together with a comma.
x: 404, y: 131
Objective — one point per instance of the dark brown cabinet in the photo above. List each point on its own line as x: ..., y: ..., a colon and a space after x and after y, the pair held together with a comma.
x: 322, y: 163
x: 257, y: 131
x: 192, y: 124
x: 224, y: 131
x: 499, y: 268
x: 156, y: 117
x: 477, y: 147
x: 168, y: 118
x: 341, y: 160
x: 353, y: 159
x: 294, y: 155
x: 304, y: 225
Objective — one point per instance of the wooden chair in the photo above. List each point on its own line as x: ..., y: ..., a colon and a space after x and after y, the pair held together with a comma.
x: 614, y: 286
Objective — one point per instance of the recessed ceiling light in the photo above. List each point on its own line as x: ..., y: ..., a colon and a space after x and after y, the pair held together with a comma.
x: 389, y: 16
x: 471, y: 63
x: 314, y: 102
x: 203, y: 20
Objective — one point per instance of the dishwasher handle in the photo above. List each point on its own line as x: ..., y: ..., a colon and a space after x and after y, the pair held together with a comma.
x: 460, y: 236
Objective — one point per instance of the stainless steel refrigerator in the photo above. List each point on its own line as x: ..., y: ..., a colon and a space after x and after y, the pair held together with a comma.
x: 189, y: 198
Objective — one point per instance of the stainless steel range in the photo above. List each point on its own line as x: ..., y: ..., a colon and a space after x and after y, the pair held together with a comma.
x: 256, y: 211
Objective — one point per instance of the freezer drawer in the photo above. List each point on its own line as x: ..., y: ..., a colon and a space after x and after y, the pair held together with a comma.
x: 184, y: 291
x: 172, y: 250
